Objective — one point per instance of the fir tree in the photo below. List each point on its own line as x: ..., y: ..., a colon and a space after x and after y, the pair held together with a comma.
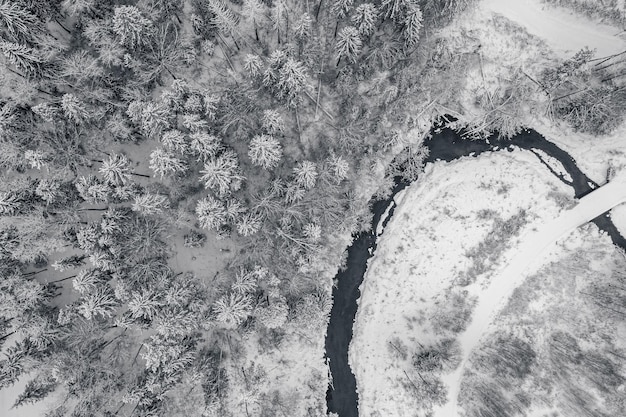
x: 36, y: 390
x: 116, y: 170
x: 234, y: 210
x: 92, y: 190
x: 98, y: 303
x: 253, y: 11
x: 205, y: 146
x: 312, y: 231
x: 253, y: 65
x: 265, y: 151
x: 74, y: 109
x: 48, y: 190
x: 412, y: 25
x: 165, y: 164
x: 23, y: 57
x: 306, y: 174
x: 46, y: 111
x: 348, y: 44
x: 364, y: 18
x: 194, y: 123
x: 278, y: 15
x: 130, y: 26
x: 223, y: 19
x: 302, y: 28
x: 150, y: 203
x: 154, y: 118
x: 14, y: 365
x: 249, y: 224
x: 175, y: 140
x: 18, y: 22
x: 340, y: 8
x: 221, y: 173
x: 10, y: 203
x: 245, y: 282
x: 211, y: 213
x: 274, y: 315
x: 36, y: 159
x: 339, y: 167
x: 194, y: 104
x: 144, y: 305
x: 291, y: 81
x: 233, y: 309
x: 272, y: 122
x: 394, y: 9
x: 86, y: 281
x: 70, y: 262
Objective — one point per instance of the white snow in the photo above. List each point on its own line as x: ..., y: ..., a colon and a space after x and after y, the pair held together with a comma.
x: 421, y: 253
x: 528, y: 255
x: 564, y: 31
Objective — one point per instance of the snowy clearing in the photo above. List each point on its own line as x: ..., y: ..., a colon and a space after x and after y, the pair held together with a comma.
x: 564, y: 31
x: 423, y: 253
x: 529, y: 254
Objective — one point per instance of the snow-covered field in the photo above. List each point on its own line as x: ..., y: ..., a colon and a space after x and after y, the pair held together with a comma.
x: 423, y: 255
x: 564, y: 31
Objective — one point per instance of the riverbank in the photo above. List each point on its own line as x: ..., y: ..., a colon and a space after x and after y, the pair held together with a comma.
x: 408, y: 288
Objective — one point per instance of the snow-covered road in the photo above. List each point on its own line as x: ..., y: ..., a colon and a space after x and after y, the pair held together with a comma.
x: 533, y: 246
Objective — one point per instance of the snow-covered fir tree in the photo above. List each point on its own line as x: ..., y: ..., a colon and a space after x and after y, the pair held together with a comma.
x: 131, y: 27
x: 305, y: 174
x: 249, y: 224
x: 253, y: 65
x: 364, y: 18
x: 116, y: 170
x: 211, y: 213
x: 348, y: 44
x: 205, y: 146
x: 73, y: 108
x: 291, y: 81
x: 221, y: 173
x: 175, y: 140
x: 272, y: 122
x: 150, y: 203
x: 265, y: 151
x: 233, y: 309
x: 163, y: 163
x: 412, y: 25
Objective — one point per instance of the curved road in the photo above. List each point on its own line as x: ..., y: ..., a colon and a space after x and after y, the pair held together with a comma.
x: 534, y: 244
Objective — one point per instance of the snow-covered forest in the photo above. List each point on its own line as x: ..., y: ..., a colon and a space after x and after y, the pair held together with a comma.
x: 180, y: 179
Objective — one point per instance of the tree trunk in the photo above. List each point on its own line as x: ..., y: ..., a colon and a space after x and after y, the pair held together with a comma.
x: 62, y: 279
x: 62, y: 27
x: 7, y: 335
x: 30, y: 274
x: 317, y: 13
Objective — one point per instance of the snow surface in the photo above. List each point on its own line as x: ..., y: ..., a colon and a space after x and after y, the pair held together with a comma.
x: 564, y: 31
x: 528, y: 255
x: 422, y: 253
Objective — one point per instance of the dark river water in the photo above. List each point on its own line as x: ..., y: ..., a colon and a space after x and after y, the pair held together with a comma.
x: 445, y: 145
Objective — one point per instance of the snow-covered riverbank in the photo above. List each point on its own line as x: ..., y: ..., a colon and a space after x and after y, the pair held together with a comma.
x: 406, y: 292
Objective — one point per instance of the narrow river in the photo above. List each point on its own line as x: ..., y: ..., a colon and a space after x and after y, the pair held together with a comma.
x: 445, y: 145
